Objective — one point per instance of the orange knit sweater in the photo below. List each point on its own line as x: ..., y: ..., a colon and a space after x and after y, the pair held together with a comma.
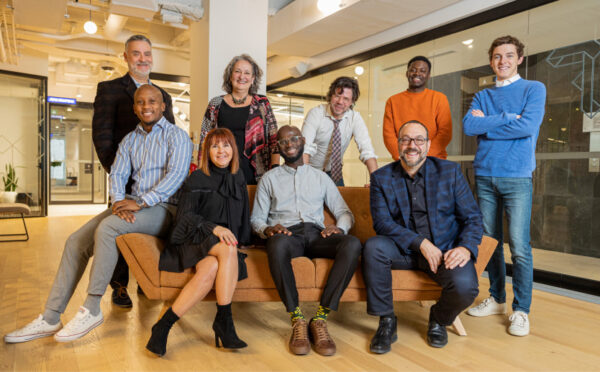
x: 430, y: 108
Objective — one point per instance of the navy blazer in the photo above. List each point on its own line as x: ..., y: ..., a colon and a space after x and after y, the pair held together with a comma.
x: 114, y: 117
x: 454, y: 216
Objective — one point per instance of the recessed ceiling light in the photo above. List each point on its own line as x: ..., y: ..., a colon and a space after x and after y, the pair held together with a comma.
x: 359, y: 70
x: 69, y: 109
x: 175, y: 110
x: 467, y: 42
x: 279, y: 95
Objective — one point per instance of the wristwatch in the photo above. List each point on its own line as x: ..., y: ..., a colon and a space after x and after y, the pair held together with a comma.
x: 140, y: 202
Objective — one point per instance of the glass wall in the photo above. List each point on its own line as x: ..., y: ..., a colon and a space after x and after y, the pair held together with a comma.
x: 22, y: 141
x: 76, y: 175
x: 563, y: 51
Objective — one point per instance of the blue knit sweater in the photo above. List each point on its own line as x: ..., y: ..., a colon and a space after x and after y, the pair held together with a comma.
x: 505, y: 144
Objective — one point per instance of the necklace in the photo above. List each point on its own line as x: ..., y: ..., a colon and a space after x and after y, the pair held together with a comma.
x: 238, y: 101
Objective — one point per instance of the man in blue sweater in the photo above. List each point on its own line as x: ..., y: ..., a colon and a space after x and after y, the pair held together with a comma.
x: 506, y: 120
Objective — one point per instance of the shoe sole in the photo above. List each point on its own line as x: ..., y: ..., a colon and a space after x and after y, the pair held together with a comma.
x: 483, y: 315
x: 381, y: 351
x: 123, y: 306
x: 78, y: 335
x: 517, y: 334
x: 20, y: 339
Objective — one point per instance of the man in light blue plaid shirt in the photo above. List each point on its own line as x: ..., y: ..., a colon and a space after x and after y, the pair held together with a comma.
x: 157, y: 155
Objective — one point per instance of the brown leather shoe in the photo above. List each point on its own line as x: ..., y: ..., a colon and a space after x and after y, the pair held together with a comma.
x: 324, y: 344
x: 299, y: 343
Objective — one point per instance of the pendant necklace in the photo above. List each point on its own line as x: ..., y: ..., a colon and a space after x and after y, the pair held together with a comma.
x: 238, y: 101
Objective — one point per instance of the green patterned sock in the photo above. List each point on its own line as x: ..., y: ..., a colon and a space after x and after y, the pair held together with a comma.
x: 322, y: 313
x: 296, y: 314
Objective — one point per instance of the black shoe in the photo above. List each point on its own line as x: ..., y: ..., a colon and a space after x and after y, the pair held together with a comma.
x: 385, y: 336
x: 225, y: 330
x: 121, y: 298
x: 437, y: 336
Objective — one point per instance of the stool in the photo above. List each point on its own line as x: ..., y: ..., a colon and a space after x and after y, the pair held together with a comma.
x: 15, y: 208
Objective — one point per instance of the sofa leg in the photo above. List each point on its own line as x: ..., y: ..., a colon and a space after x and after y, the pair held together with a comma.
x: 166, y: 305
x: 458, y: 327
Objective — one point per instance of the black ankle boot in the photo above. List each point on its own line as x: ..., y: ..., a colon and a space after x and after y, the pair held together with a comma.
x: 225, y: 330
x: 160, y: 332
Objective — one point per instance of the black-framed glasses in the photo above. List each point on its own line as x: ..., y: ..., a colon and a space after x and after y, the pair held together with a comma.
x: 419, y: 141
x: 295, y: 140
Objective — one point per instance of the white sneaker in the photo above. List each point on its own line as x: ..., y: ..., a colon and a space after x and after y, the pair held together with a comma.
x: 519, y: 324
x: 79, y: 326
x: 489, y: 306
x: 36, y: 329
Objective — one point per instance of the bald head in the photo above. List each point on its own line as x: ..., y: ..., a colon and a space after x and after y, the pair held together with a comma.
x: 148, y: 105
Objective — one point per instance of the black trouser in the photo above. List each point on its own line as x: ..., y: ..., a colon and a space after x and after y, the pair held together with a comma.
x: 121, y: 274
x: 381, y: 255
x: 306, y: 240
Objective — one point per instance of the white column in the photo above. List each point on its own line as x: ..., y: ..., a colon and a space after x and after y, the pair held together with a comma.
x: 228, y: 28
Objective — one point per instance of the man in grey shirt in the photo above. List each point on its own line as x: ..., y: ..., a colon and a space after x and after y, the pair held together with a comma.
x: 288, y: 212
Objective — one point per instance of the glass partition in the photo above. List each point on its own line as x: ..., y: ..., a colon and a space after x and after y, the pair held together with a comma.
x: 22, y: 136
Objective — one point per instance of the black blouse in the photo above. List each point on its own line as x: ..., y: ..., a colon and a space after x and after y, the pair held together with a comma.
x: 207, y: 201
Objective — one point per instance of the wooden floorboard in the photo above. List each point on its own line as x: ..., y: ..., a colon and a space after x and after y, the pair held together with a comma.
x: 563, y: 338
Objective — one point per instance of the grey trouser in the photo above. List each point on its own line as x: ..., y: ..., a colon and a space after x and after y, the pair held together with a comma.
x: 97, y: 238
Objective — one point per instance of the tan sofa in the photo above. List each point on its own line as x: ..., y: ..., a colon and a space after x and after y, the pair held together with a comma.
x: 142, y: 253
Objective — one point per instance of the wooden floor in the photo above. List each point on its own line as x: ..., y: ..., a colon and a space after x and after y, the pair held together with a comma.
x: 564, y: 333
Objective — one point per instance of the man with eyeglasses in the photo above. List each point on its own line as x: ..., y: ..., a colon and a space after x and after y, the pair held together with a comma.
x: 288, y: 212
x: 426, y: 218
x: 328, y: 129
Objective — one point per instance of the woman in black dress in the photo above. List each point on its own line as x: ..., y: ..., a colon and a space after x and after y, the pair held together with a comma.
x: 212, y: 220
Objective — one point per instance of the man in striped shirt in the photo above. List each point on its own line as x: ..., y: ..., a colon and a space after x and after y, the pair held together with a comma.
x: 156, y: 154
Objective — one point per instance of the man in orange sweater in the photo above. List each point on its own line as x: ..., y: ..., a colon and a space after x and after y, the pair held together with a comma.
x: 418, y: 103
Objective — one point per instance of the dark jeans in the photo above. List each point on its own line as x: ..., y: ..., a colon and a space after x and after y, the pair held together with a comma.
x: 120, y: 276
x: 306, y: 240
x: 381, y: 255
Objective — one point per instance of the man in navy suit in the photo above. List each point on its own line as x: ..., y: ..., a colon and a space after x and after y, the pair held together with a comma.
x: 425, y: 218
x: 114, y: 119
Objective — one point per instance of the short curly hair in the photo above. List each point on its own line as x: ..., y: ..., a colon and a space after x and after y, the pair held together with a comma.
x: 341, y: 83
x: 257, y: 72
x: 508, y: 39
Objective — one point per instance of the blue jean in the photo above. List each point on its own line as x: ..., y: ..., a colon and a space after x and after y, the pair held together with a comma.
x: 514, y: 196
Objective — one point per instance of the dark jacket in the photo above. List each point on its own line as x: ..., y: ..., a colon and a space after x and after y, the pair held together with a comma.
x: 114, y: 117
x: 454, y: 216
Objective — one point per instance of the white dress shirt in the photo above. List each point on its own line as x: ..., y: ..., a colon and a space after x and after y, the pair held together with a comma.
x: 503, y: 83
x: 317, y: 130
x: 291, y: 196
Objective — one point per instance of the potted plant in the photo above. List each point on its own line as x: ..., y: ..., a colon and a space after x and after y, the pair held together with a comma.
x: 10, y: 184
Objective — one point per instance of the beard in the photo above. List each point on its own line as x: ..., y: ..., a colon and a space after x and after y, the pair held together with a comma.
x: 415, y: 162
x: 295, y: 158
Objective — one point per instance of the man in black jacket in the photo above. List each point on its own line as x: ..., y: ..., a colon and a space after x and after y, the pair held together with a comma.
x: 113, y: 119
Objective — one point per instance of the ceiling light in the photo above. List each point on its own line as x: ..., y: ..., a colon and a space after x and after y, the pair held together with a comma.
x: 181, y: 84
x: 175, y: 110
x: 182, y: 116
x: 69, y: 109
x: 90, y: 27
x: 329, y: 6
x: 470, y: 46
x: 563, y: 129
x: 467, y: 42
x: 279, y: 95
x: 78, y: 95
x: 359, y: 70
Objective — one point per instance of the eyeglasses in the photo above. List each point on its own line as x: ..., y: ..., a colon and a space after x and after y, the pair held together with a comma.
x: 295, y: 140
x: 419, y: 141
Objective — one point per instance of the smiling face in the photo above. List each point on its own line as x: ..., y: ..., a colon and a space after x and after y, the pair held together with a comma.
x: 417, y: 75
x: 242, y: 76
x: 505, y: 61
x: 412, y: 154
x: 220, y: 153
x: 139, y: 59
x: 340, y: 102
x: 291, y: 144
x: 148, y: 104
